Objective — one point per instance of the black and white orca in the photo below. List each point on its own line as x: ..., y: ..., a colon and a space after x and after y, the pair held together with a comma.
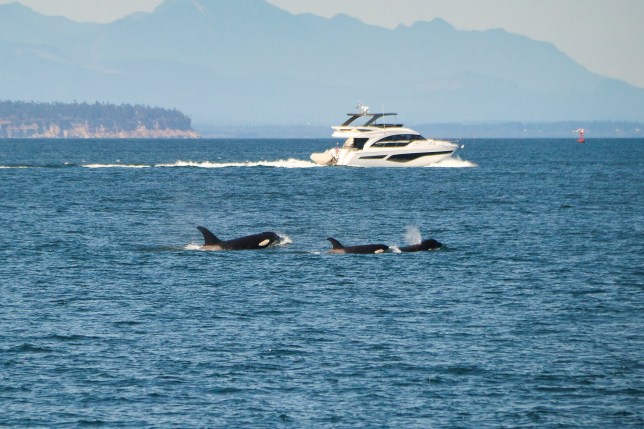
x: 249, y: 242
x: 429, y: 244
x: 363, y: 249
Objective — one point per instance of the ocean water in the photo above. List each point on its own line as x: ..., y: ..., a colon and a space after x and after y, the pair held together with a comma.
x: 532, y: 315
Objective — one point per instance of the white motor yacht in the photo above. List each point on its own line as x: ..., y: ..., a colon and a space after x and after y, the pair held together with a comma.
x: 381, y: 144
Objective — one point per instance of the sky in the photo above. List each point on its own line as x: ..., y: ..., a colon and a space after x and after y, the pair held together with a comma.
x: 605, y: 36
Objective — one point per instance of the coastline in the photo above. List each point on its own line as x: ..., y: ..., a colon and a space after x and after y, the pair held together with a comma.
x: 84, y: 132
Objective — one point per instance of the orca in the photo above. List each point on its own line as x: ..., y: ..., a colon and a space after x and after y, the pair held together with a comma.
x: 249, y: 242
x: 429, y: 244
x: 363, y: 249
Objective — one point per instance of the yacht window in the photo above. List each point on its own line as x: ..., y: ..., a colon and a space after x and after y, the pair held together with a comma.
x: 397, y: 140
x: 359, y: 143
x: 390, y: 144
x: 355, y: 143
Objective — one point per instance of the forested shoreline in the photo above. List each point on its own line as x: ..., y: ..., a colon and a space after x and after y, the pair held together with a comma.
x: 22, y: 119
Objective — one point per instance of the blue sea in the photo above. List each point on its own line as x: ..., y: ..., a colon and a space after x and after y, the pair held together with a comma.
x: 531, y: 315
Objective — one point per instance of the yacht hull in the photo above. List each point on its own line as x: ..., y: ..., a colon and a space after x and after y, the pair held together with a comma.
x: 409, y: 158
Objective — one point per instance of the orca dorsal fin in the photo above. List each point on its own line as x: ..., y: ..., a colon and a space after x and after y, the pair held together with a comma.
x: 210, y: 239
x: 335, y: 243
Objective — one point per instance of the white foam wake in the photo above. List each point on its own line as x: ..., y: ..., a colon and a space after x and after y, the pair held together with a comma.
x: 193, y: 246
x: 454, y: 162
x: 284, y: 240
x: 282, y: 163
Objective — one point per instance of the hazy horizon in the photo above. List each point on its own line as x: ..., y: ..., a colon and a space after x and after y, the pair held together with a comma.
x: 604, y: 36
x: 250, y: 62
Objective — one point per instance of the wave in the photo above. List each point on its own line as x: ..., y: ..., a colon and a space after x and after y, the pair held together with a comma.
x: 29, y: 348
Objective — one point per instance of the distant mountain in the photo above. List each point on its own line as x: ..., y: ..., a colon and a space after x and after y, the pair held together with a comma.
x: 235, y: 62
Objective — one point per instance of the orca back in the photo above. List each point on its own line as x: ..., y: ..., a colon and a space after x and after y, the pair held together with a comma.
x: 251, y: 242
x: 209, y: 238
x: 335, y: 243
x: 429, y: 244
x: 361, y: 250
x: 366, y: 249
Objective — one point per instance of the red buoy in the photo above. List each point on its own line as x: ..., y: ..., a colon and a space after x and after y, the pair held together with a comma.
x: 581, y: 138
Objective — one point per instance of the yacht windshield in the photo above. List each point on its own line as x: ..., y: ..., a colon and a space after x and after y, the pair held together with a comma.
x: 397, y: 140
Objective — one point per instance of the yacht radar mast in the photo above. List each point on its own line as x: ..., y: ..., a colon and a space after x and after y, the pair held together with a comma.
x: 364, y: 110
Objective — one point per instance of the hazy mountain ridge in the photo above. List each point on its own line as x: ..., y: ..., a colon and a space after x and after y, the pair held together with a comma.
x: 247, y: 62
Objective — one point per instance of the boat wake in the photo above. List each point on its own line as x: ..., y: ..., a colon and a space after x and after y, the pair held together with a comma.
x: 282, y: 163
x: 454, y: 162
